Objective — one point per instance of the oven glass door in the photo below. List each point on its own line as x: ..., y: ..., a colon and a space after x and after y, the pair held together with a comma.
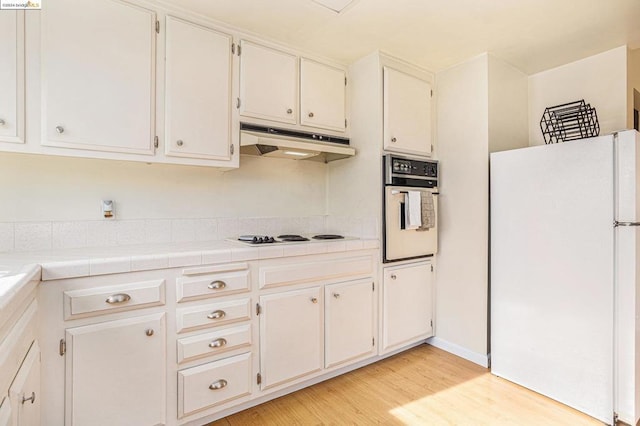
x: 402, y: 243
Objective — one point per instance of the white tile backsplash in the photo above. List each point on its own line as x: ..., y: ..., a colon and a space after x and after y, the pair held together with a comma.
x: 34, y: 236
x: 69, y: 235
x: 6, y: 237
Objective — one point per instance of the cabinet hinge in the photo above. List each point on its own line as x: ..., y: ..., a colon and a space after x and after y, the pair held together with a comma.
x: 431, y: 323
x: 373, y: 286
x: 431, y: 91
x: 233, y: 48
x: 616, y: 420
x: 63, y: 347
x: 345, y: 123
x: 258, y: 309
x: 259, y: 378
x: 345, y: 81
x: 155, y: 142
x: 157, y: 27
x: 239, y: 50
x: 373, y: 341
x: 431, y: 268
x: 238, y: 103
x: 232, y: 149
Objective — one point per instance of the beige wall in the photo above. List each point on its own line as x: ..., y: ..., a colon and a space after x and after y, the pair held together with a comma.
x: 601, y: 80
x: 43, y: 188
x: 462, y: 260
x: 508, y: 106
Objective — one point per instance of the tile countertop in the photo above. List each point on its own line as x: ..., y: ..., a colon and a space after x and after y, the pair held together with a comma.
x: 17, y: 269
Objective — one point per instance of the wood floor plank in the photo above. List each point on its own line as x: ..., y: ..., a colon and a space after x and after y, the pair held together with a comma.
x: 422, y: 386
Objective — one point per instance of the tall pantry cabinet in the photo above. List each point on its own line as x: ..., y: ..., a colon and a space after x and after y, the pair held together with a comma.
x: 391, y: 111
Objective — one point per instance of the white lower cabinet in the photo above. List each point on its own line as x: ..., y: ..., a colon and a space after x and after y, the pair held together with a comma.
x: 291, y: 335
x: 24, y: 392
x: 407, y: 305
x: 349, y: 312
x: 5, y: 413
x: 116, y: 372
x: 214, y: 383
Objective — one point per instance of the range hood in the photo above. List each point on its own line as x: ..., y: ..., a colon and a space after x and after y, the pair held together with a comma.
x: 283, y: 143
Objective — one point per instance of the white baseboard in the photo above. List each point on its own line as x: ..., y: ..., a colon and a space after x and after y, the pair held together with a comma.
x: 480, y: 359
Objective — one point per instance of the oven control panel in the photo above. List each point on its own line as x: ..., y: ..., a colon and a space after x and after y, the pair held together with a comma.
x: 401, y: 169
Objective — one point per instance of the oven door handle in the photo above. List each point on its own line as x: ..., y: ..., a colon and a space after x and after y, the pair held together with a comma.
x: 396, y: 192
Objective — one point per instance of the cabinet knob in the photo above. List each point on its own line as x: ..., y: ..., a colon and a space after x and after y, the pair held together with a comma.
x: 217, y: 285
x: 118, y: 298
x: 393, y: 276
x: 310, y: 115
x: 218, y: 343
x: 179, y: 142
x: 289, y: 111
x: 217, y: 315
x: 336, y: 295
x: 2, y: 123
x: 394, y: 140
x: 220, y: 384
x: 149, y: 332
x: 32, y: 398
x: 60, y: 129
x: 314, y: 300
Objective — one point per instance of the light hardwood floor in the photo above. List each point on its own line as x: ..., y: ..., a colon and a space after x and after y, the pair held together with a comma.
x: 422, y: 386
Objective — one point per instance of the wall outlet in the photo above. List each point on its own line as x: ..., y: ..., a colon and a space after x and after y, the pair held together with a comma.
x: 108, y: 209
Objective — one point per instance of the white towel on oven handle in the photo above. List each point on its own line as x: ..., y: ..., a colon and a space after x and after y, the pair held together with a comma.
x: 413, y: 210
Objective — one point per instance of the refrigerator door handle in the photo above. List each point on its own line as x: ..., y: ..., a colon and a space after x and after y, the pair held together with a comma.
x: 616, y: 223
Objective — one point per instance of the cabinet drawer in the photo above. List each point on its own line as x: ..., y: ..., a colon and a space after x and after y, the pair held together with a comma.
x: 211, y: 285
x: 213, y: 343
x: 96, y: 301
x: 275, y: 276
x: 213, y: 314
x: 213, y: 383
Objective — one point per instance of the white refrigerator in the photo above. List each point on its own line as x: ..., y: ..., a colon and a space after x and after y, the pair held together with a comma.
x: 565, y: 272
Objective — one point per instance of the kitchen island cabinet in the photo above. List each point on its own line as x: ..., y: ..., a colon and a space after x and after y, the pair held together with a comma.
x: 12, y: 76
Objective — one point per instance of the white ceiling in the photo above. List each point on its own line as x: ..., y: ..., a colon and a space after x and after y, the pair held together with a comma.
x: 532, y: 35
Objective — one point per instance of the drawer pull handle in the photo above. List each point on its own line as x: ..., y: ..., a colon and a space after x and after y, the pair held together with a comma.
x: 218, y: 343
x: 118, y: 298
x: 32, y: 398
x: 216, y: 315
x: 149, y: 332
x: 217, y: 285
x: 220, y: 384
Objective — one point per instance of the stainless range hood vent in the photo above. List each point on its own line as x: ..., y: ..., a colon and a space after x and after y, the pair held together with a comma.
x: 283, y: 143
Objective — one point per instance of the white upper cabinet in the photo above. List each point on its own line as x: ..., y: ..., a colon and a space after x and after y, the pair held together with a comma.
x: 407, y: 113
x: 12, y: 76
x: 198, y: 91
x: 268, y: 83
x: 322, y: 96
x: 98, y: 76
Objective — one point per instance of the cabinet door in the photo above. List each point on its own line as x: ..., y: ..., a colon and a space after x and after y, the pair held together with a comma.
x: 349, y: 321
x: 12, y: 76
x: 115, y: 372
x: 291, y: 335
x: 198, y: 91
x: 407, y: 305
x: 6, y: 418
x: 25, y: 393
x: 322, y: 96
x: 268, y: 83
x: 407, y: 113
x: 98, y: 71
